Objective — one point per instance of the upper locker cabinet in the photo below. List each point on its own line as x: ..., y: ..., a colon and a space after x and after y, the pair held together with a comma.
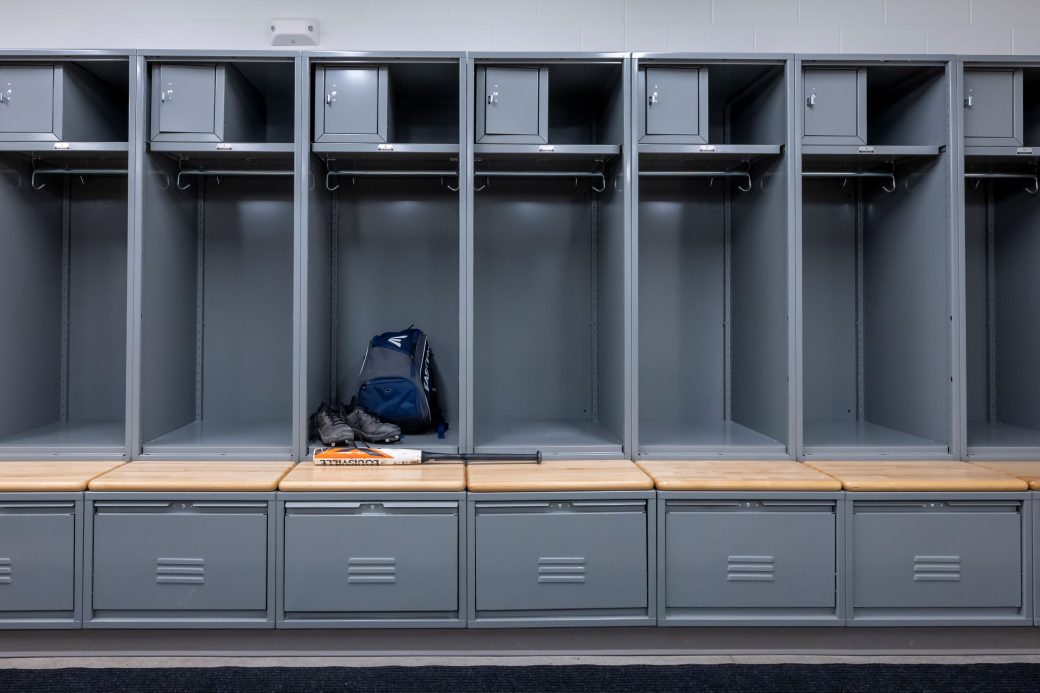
x: 58, y: 102
x: 512, y: 105
x: 352, y: 104
x: 835, y: 105
x: 993, y: 107
x: 205, y: 103
x: 674, y: 105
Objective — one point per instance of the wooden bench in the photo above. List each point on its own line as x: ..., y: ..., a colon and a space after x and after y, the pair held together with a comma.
x: 736, y: 475
x: 557, y: 475
x: 920, y: 475
x: 308, y: 476
x: 1028, y: 472
x: 50, y: 476
x: 195, y: 476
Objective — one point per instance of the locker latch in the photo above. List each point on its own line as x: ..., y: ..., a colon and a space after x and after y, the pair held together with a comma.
x: 167, y: 94
x: 5, y: 96
x: 330, y: 97
x: 652, y: 99
x: 970, y: 101
x: 493, y: 98
x: 811, y: 101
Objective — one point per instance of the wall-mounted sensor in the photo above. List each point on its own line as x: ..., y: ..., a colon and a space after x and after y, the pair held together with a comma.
x: 294, y: 32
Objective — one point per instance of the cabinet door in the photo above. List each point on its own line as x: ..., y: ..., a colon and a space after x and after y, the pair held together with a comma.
x: 835, y: 105
x: 351, y: 104
x: 185, y: 99
x: 27, y: 94
x: 37, y: 560
x: 513, y: 104
x: 993, y: 107
x: 675, y: 105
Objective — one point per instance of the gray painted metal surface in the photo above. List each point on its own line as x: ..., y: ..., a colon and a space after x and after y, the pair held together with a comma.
x: 939, y: 559
x: 179, y: 560
x: 353, y: 560
x: 561, y: 559
x: 751, y: 559
x: 41, y: 560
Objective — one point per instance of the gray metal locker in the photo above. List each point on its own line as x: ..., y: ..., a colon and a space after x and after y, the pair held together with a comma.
x: 756, y: 559
x: 64, y: 101
x: 576, y: 559
x: 40, y: 560
x: 934, y: 559
x: 180, y: 560
x: 512, y: 104
x: 205, y: 103
x: 993, y: 108
x: 352, y: 104
x: 835, y: 105
x: 357, y: 560
x: 675, y: 104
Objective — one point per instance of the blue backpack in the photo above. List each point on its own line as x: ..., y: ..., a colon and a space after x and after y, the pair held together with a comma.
x: 397, y: 383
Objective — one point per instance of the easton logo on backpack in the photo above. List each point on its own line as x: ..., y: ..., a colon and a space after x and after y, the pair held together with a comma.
x: 397, y: 383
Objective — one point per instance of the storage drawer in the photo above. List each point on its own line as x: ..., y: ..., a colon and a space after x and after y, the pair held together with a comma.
x: 750, y: 554
x: 204, y: 103
x: 569, y: 555
x: 351, y: 104
x: 513, y: 105
x: 37, y: 560
x: 937, y: 554
x: 835, y: 105
x: 27, y: 99
x: 675, y: 105
x: 180, y: 557
x: 993, y: 110
x: 370, y: 557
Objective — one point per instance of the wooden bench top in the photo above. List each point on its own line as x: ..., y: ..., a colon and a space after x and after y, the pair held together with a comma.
x: 558, y: 475
x: 50, y: 476
x: 736, y: 475
x: 217, y: 475
x: 923, y: 475
x: 308, y: 476
x: 1028, y: 472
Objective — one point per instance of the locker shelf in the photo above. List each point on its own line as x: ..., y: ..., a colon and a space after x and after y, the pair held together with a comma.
x: 66, y: 148
x: 549, y: 436
x: 418, y: 441
x: 848, y: 432
x: 380, y: 151
x: 76, y: 435
x: 662, y: 436
x: 993, y: 434
x: 233, y: 436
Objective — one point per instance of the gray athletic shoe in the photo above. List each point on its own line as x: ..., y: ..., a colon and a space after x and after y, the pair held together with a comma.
x: 368, y: 427
x: 331, y: 428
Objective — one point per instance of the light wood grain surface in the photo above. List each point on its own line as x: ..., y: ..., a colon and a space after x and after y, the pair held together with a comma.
x: 217, y: 475
x: 53, y: 476
x: 1028, y: 472
x: 920, y: 475
x: 558, y: 475
x: 308, y: 476
x: 736, y: 475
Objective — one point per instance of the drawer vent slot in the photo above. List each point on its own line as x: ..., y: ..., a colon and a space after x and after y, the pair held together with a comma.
x: 937, y: 568
x: 750, y: 569
x: 559, y: 569
x: 372, y: 571
x: 180, y: 571
x: 5, y: 571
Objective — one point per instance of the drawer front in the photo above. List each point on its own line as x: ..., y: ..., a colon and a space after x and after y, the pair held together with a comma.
x: 750, y: 559
x: 185, y: 99
x: 37, y: 559
x: 937, y: 559
x: 180, y: 561
x: 835, y: 105
x: 561, y: 560
x: 350, y: 102
x: 27, y: 103
x: 673, y: 102
x: 512, y: 101
x: 371, y: 562
x: 993, y: 107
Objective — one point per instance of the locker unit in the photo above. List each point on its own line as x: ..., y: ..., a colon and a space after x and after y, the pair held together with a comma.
x: 220, y: 102
x: 727, y: 558
x: 371, y: 560
x: 217, y: 284
x: 67, y: 101
x: 712, y: 234
x: 549, y: 269
x: 179, y: 560
x: 673, y: 105
x: 561, y: 559
x: 877, y: 315
x: 41, y: 560
x: 939, y: 559
x: 512, y: 104
x: 384, y: 236
x: 1001, y: 221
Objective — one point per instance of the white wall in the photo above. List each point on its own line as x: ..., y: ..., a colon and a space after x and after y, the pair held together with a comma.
x: 850, y: 26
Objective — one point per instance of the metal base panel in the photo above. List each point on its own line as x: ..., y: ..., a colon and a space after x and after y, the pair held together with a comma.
x: 371, y: 560
x: 561, y: 559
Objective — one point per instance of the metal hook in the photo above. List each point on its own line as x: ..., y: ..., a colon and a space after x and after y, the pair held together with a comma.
x: 892, y: 177
x: 602, y: 187
x: 978, y: 182
x: 1036, y: 186
x: 487, y: 182
x: 844, y: 182
x: 310, y: 176
x: 749, y: 184
x: 32, y: 183
x: 448, y: 186
x: 165, y: 185
x: 328, y: 186
x: 82, y: 180
x: 616, y: 179
x: 179, y: 186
